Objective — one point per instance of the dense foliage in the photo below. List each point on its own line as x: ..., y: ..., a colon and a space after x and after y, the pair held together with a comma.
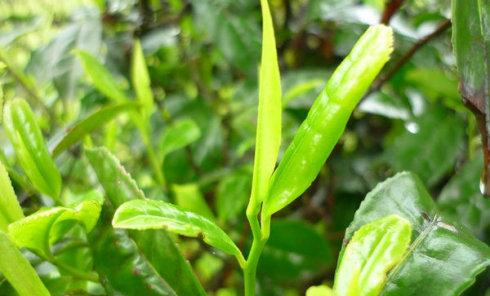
x: 223, y: 147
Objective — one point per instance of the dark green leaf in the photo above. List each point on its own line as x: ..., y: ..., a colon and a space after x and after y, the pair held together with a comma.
x: 443, y: 259
x: 157, y: 247
x: 435, y: 140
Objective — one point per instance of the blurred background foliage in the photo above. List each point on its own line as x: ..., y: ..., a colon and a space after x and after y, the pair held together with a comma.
x: 203, y: 60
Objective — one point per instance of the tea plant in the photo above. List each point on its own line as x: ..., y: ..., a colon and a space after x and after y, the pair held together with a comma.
x: 86, y: 227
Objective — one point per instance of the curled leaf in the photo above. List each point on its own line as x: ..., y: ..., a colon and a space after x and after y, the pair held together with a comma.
x: 43, y: 228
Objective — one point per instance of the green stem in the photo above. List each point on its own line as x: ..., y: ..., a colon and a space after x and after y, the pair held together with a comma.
x: 260, y: 237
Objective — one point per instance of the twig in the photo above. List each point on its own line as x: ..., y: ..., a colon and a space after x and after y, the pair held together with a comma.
x: 443, y: 26
x: 390, y: 9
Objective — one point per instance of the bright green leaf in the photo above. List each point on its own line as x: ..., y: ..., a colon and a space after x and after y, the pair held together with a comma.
x: 268, y: 134
x: 327, y: 118
x: 141, y: 79
x: 30, y: 148
x: 189, y: 198
x: 102, y: 78
x: 18, y: 271
x: 43, y: 228
x: 156, y: 214
x: 319, y: 291
x: 179, y: 134
x: 443, y: 259
x: 371, y: 253
x: 10, y: 210
x: 89, y: 124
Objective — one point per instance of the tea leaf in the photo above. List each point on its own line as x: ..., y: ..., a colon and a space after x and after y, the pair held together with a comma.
x: 10, y: 210
x: 189, y: 198
x: 89, y: 124
x: 156, y: 214
x: 268, y: 133
x: 156, y: 248
x: 232, y: 195
x: 437, y: 245
x: 371, y: 253
x: 18, y: 271
x: 326, y: 121
x: 43, y: 228
x: 101, y: 77
x: 32, y: 153
x: 179, y: 134
x: 141, y: 79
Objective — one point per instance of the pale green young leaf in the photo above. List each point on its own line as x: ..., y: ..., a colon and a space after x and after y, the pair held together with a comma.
x: 30, y: 148
x: 101, y: 78
x: 40, y: 229
x: 322, y: 290
x: 77, y: 132
x: 18, y: 271
x: 141, y: 79
x: 371, y: 253
x: 189, y: 198
x: 179, y: 134
x: 156, y: 214
x: 268, y: 136
x: 328, y: 117
x: 10, y: 210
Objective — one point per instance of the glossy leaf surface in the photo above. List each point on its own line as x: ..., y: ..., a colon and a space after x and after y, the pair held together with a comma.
x: 436, y: 244
x: 43, y: 228
x: 30, y: 148
x: 156, y: 214
x: 371, y: 253
x: 156, y: 247
x: 268, y: 133
x: 10, y: 210
x: 327, y: 118
x: 91, y: 123
x: 18, y: 270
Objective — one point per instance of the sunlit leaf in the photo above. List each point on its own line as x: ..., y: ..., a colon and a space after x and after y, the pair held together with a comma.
x: 319, y: 291
x: 327, y: 118
x: 156, y: 214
